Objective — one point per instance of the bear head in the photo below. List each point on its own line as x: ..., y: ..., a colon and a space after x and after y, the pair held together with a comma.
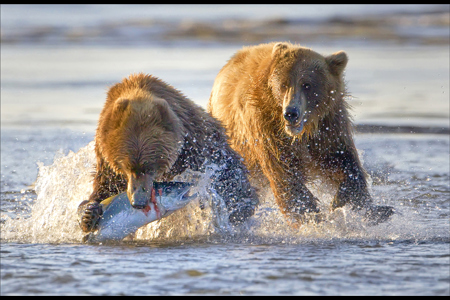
x: 307, y: 85
x: 138, y: 136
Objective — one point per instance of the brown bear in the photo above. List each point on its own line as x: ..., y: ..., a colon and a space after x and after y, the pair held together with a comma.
x: 149, y: 131
x: 284, y: 110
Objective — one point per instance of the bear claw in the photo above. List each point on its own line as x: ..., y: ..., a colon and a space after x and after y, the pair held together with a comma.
x: 89, y: 213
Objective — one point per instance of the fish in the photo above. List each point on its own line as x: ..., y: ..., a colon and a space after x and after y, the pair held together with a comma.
x: 119, y: 218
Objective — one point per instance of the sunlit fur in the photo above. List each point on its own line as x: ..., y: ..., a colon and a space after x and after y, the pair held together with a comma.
x: 148, y: 127
x: 249, y: 96
x: 150, y: 138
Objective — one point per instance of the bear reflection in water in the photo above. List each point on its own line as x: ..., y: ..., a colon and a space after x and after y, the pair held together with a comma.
x: 284, y: 110
x: 149, y: 131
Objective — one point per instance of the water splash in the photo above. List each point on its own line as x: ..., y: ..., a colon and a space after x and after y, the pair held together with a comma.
x: 61, y: 186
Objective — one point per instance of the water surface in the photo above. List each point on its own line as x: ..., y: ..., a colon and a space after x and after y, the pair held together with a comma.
x: 57, y: 63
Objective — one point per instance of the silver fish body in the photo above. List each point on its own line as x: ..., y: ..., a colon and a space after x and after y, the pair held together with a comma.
x: 119, y: 218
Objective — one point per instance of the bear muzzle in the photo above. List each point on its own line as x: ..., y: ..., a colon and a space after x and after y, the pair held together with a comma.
x: 294, y: 107
x: 294, y: 120
x: 139, y: 190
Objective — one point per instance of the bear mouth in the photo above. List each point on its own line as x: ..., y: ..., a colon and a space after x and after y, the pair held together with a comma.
x: 296, y: 128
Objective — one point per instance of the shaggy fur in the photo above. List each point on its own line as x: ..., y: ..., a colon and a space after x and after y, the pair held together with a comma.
x: 148, y: 128
x: 284, y: 111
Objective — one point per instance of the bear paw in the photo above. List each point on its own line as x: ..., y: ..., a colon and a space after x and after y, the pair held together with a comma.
x: 378, y: 214
x: 241, y: 214
x: 304, y: 213
x: 89, y: 213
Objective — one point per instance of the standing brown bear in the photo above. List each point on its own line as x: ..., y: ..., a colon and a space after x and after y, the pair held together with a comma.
x: 283, y: 108
x: 148, y: 131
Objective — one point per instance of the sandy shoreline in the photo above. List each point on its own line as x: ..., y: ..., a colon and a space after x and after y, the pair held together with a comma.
x: 429, y: 27
x: 396, y: 27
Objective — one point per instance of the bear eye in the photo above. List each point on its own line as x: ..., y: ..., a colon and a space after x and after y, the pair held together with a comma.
x: 307, y: 86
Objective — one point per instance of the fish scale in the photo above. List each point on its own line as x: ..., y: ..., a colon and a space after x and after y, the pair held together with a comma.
x: 120, y: 219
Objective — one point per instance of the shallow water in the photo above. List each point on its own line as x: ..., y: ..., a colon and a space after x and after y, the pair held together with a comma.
x: 308, y: 268
x: 53, y: 90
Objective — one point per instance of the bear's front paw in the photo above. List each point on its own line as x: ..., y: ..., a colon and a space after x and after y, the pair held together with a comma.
x: 303, y: 212
x: 378, y: 214
x: 305, y: 207
x: 89, y: 213
x: 240, y: 215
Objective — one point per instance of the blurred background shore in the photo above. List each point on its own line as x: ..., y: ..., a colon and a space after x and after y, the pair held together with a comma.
x: 241, y: 24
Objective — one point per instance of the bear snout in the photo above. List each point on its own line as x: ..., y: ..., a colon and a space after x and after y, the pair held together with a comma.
x: 139, y: 190
x: 294, y: 120
x: 139, y: 200
x: 291, y: 114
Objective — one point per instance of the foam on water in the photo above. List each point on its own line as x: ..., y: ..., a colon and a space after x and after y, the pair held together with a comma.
x: 61, y: 186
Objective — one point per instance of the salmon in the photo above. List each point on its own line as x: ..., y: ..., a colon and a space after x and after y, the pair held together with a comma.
x: 119, y: 218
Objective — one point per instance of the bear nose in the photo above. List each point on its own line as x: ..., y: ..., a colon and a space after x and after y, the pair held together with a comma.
x: 291, y: 114
x: 139, y: 199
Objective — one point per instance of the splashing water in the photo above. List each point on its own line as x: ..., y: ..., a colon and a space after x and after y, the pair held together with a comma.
x: 61, y: 186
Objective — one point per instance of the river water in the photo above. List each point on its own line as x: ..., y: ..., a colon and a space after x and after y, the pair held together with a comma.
x: 56, y: 65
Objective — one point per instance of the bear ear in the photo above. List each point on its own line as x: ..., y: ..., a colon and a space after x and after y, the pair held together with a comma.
x: 120, y: 106
x: 337, y: 62
x: 278, y: 48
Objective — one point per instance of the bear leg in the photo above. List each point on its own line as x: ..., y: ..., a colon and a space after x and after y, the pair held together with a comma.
x: 106, y: 183
x: 353, y: 190
x: 230, y: 182
x: 296, y: 201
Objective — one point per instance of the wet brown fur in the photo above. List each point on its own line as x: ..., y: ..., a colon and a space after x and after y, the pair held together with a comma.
x: 147, y: 126
x: 249, y: 96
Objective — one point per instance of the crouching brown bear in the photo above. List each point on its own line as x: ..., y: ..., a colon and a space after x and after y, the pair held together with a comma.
x: 284, y: 111
x: 148, y: 131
